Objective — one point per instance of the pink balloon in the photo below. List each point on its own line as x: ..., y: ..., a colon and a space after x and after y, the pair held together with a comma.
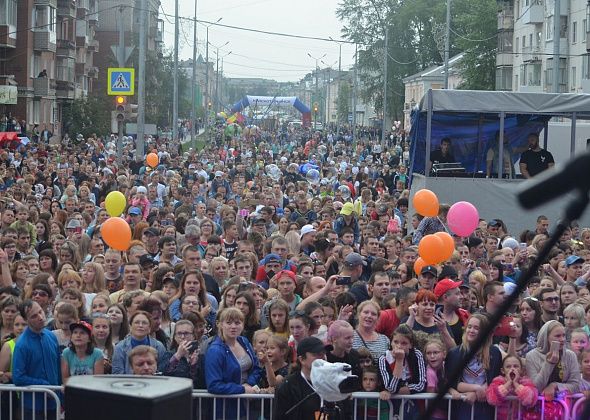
x: 463, y: 218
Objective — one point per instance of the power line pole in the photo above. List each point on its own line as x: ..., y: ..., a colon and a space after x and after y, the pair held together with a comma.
x: 556, y: 40
x: 207, y: 96
x: 339, y: 83
x: 354, y: 93
x: 139, y: 150
x: 175, y: 89
x: 447, y: 43
x: 194, y: 82
x: 386, y: 59
x: 121, y: 62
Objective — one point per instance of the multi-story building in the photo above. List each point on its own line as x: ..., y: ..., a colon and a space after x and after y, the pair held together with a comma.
x: 204, y: 92
x: 527, y: 51
x: 47, y: 50
x: 416, y: 85
x: 107, y: 34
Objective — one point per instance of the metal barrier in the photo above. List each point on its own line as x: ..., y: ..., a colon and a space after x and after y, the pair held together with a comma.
x: 258, y: 406
x: 12, y: 403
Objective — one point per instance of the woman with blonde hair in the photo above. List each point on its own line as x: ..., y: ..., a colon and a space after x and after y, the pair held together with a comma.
x: 219, y: 270
x: 294, y: 242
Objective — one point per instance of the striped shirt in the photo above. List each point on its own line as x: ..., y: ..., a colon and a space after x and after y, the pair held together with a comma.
x: 377, y: 347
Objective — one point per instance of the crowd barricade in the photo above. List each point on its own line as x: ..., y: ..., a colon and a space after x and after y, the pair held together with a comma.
x: 259, y: 406
x: 12, y: 404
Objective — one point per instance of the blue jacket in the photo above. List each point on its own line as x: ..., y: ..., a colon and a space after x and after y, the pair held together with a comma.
x: 36, y: 361
x: 121, y: 365
x: 223, y: 374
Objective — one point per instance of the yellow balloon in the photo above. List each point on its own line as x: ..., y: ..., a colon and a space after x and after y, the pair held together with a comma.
x: 115, y: 203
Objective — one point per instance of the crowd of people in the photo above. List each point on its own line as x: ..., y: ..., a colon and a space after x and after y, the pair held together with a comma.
x: 254, y: 257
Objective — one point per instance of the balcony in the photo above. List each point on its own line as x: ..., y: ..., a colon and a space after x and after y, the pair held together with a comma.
x: 93, y: 45
x: 44, y: 41
x: 83, y: 6
x: 93, y: 72
x: 82, y: 41
x: 52, y: 3
x: 585, y: 85
x: 504, y: 59
x: 66, y: 8
x: 80, y: 69
x: 531, y: 54
x: 7, y: 36
x: 505, y: 20
x: 66, y: 48
x: 533, y: 14
x: 43, y: 86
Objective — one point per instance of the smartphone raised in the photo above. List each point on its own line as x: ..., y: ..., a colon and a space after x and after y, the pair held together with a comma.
x: 344, y: 281
x: 193, y: 346
x: 438, y: 310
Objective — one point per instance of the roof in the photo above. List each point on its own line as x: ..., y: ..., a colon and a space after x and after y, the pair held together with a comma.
x: 471, y: 101
x: 434, y: 72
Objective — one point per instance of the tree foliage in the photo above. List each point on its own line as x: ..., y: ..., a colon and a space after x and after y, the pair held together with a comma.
x: 342, y: 104
x: 416, y: 42
x: 87, y: 116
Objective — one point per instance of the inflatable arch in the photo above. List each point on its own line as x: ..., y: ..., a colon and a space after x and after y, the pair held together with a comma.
x: 268, y: 101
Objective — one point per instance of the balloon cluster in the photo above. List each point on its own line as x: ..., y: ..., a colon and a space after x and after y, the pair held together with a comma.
x: 462, y: 220
x: 116, y: 231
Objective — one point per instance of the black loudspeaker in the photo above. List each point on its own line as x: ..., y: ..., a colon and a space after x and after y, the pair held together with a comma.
x: 125, y: 397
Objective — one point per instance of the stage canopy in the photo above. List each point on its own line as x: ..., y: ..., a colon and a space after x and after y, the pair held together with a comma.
x: 477, y: 121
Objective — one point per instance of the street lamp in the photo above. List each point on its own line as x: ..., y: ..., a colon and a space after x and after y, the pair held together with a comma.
x: 339, y: 75
x: 217, y: 73
x: 317, y: 69
x: 221, y: 85
x: 207, y: 95
x: 328, y: 100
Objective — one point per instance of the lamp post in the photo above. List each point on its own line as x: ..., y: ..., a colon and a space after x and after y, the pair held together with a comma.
x: 317, y: 69
x: 207, y: 95
x: 339, y: 75
x: 194, y: 82
x: 217, y: 74
x: 328, y: 98
x: 221, y: 84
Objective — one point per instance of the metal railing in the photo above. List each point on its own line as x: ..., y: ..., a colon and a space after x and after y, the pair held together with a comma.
x: 206, y: 406
x: 12, y: 402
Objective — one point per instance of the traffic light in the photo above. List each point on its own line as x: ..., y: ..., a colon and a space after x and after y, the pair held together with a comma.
x: 209, y: 105
x: 120, y: 107
x: 131, y: 111
x: 315, y: 109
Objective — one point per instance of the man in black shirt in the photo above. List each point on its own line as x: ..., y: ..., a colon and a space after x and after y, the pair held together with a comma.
x: 442, y: 155
x: 535, y: 160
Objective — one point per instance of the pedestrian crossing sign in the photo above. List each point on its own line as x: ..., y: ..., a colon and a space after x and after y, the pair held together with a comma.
x: 121, y: 81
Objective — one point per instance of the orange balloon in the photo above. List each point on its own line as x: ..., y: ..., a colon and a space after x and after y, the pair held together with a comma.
x: 430, y: 249
x: 116, y: 233
x: 448, y: 245
x: 426, y: 203
x: 152, y: 160
x: 419, y: 264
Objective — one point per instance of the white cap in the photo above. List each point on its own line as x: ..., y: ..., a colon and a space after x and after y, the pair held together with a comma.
x: 307, y: 229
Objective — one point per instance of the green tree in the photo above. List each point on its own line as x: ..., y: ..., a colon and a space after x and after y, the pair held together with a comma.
x: 342, y: 107
x: 87, y: 116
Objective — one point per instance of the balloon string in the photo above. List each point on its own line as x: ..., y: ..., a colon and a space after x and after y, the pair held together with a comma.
x: 444, y: 226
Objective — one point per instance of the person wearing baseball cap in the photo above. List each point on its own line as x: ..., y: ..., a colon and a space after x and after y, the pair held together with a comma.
x: 428, y: 275
x: 296, y: 395
x: 81, y: 343
x: 448, y: 294
x: 353, y: 266
x: 307, y: 237
x: 347, y: 219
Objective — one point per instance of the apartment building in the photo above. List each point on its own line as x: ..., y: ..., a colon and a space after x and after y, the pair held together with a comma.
x: 46, y: 51
x: 111, y: 13
x: 528, y: 54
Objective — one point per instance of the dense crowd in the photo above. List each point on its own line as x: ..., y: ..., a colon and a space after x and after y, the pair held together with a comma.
x: 259, y: 254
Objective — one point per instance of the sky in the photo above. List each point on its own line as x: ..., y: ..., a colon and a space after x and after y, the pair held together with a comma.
x: 261, y: 55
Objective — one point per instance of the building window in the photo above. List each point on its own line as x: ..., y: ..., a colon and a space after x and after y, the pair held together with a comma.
x: 586, y: 66
x: 8, y: 12
x: 574, y: 79
x: 584, y: 23
x: 504, y: 78
x: 574, y: 32
x: 44, y: 19
x: 505, y: 41
x: 549, y: 29
x: 36, y: 112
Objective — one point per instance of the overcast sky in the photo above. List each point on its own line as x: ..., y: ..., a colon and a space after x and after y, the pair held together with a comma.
x: 261, y: 55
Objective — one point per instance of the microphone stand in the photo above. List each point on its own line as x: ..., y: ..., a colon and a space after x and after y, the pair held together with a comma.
x: 332, y: 413
x: 573, y: 211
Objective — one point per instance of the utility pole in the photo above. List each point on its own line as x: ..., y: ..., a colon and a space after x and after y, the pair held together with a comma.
x: 175, y: 89
x: 386, y: 59
x: 339, y: 82
x: 217, y: 81
x: 207, y: 96
x: 194, y: 82
x: 447, y: 43
x: 317, y: 70
x: 556, y: 39
x: 139, y: 149
x: 121, y: 62
x: 354, y: 90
